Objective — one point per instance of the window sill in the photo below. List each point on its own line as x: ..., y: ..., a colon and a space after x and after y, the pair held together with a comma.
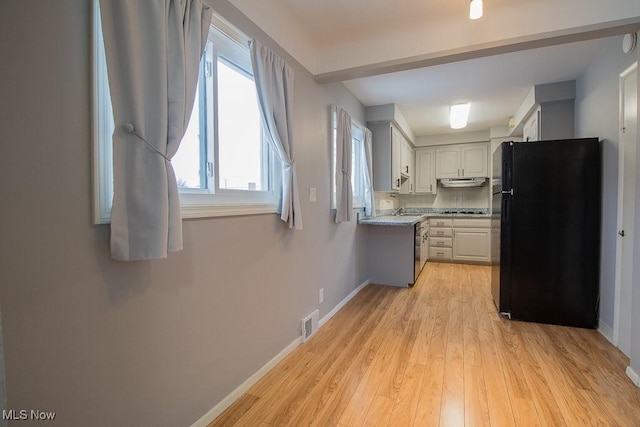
x: 212, y: 211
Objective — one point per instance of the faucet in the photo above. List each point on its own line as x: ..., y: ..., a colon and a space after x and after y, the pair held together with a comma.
x: 397, y: 211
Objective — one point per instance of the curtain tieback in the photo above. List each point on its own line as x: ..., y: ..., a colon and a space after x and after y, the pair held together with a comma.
x: 129, y: 128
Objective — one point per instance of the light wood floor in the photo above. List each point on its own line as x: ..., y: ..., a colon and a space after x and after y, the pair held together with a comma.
x: 438, y: 354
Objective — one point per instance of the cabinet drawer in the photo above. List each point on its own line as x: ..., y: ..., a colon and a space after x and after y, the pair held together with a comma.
x: 440, y: 232
x: 446, y: 242
x: 440, y: 254
x: 472, y: 222
x: 440, y: 222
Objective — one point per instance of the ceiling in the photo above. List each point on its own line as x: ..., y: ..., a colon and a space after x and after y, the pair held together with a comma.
x: 495, y: 86
x: 424, y: 55
x: 331, y: 22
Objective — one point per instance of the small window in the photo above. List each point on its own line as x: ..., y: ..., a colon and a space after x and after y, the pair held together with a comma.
x: 224, y: 165
x: 357, y: 161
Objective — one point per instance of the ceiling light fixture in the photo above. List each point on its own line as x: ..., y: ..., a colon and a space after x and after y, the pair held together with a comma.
x: 459, y: 115
x: 475, y: 9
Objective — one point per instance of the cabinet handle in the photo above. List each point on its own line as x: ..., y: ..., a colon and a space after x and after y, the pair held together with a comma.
x: 462, y: 171
x: 406, y: 169
x: 398, y: 182
x: 430, y: 188
x: 440, y: 253
x: 410, y: 187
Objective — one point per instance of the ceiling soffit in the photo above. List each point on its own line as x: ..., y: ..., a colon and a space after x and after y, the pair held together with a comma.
x: 338, y: 40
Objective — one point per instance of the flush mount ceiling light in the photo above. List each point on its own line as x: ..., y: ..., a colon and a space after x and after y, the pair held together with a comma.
x: 475, y: 9
x: 459, y: 115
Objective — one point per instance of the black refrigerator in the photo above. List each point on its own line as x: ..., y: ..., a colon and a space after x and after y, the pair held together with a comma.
x: 546, y: 231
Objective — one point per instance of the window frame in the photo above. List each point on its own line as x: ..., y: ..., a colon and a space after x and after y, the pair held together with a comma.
x: 194, y: 203
x: 358, y: 161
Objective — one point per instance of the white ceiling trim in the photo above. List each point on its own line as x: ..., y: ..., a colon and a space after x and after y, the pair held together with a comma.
x: 335, y: 38
x: 554, y: 38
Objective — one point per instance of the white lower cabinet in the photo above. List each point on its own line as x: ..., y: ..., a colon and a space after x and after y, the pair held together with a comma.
x: 440, y: 239
x: 439, y: 254
x: 460, y: 240
x: 472, y: 244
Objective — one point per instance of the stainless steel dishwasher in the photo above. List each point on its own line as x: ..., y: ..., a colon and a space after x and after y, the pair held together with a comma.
x: 421, y: 249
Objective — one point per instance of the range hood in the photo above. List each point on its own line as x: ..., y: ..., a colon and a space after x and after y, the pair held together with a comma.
x: 462, y: 182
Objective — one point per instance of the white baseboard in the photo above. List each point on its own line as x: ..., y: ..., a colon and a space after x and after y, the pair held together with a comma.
x: 342, y: 303
x: 235, y: 394
x: 214, y: 412
x: 634, y: 377
x: 606, y: 331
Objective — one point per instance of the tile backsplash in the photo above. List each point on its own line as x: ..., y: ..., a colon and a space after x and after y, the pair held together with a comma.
x: 386, y: 201
x: 456, y: 198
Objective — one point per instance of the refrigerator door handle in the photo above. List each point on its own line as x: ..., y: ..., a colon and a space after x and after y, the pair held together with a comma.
x: 508, y: 192
x: 506, y: 210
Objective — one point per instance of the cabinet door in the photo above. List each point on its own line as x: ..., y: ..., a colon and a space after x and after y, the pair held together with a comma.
x: 412, y: 170
x: 447, y: 162
x: 406, y: 178
x: 530, y: 131
x: 472, y: 244
x: 425, y: 171
x: 396, y: 158
x: 475, y: 161
x: 405, y: 157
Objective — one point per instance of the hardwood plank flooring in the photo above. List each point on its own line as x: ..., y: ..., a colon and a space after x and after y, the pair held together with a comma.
x: 438, y: 354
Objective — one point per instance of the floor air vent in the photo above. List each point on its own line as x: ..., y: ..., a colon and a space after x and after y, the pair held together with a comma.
x: 310, y: 325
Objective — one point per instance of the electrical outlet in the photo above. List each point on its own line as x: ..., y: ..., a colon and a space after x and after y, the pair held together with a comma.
x: 312, y: 195
x: 321, y: 295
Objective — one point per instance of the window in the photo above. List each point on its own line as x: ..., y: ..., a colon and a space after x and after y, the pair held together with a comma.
x: 224, y: 165
x: 357, y: 161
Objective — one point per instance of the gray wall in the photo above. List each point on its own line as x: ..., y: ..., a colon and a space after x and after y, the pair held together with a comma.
x: 596, y: 109
x: 158, y: 343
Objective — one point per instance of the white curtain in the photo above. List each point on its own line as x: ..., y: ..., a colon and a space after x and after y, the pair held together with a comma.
x: 369, y: 202
x: 274, y: 83
x: 344, y: 190
x: 153, y: 53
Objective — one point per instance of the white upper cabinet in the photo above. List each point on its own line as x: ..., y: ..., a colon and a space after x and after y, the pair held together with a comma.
x: 412, y: 171
x: 462, y: 161
x: 548, y: 112
x: 425, y: 179
x: 531, y: 128
x: 407, y: 167
x: 391, y: 158
x: 448, y: 162
x: 475, y: 158
x: 392, y: 151
x: 406, y: 158
x: 397, y: 149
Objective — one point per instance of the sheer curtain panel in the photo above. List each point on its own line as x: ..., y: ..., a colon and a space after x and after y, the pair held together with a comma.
x: 369, y: 201
x: 153, y: 51
x: 344, y: 190
x: 274, y: 83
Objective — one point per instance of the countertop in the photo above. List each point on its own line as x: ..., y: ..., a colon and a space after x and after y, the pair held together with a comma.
x: 395, y: 220
x: 412, y: 219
